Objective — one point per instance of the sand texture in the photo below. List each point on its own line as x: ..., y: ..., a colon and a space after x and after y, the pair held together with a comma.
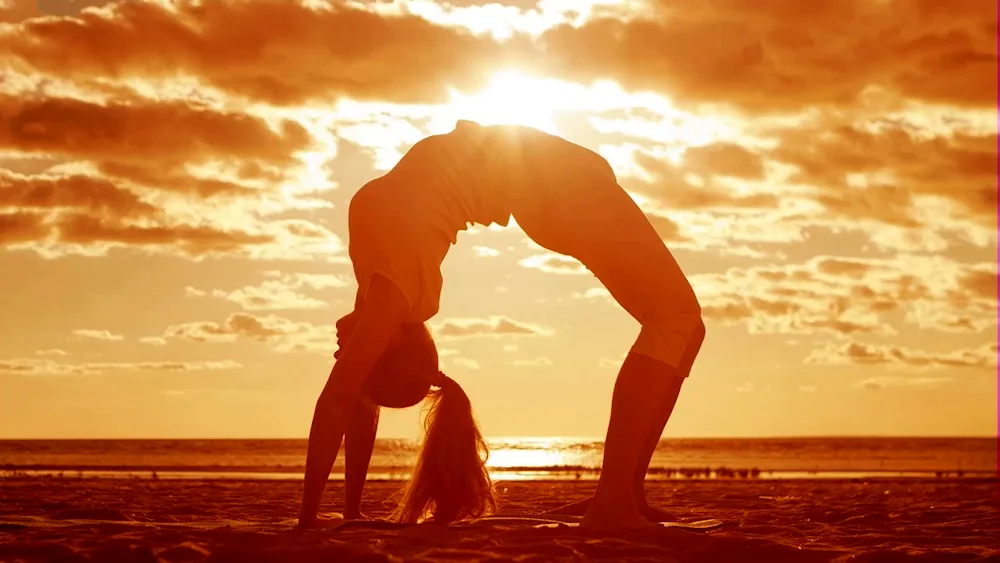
x: 133, y: 520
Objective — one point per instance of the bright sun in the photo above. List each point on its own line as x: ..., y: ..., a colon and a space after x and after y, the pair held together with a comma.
x: 511, y: 98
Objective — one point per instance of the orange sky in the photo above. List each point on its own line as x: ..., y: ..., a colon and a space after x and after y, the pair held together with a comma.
x: 174, y: 179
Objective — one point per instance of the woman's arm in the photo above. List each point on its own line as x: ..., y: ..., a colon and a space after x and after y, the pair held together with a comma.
x: 384, y: 311
x: 358, y: 445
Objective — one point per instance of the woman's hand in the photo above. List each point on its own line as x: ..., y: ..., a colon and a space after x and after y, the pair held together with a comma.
x: 383, y: 314
x: 345, y: 327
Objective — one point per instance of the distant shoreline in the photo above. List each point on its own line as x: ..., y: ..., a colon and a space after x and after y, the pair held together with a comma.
x: 589, y: 439
x: 499, y: 474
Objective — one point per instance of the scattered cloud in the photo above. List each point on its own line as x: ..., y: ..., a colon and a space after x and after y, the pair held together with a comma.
x: 31, y: 366
x: 691, y: 184
x: 539, y: 361
x: 279, y: 291
x: 485, y: 251
x: 98, y: 335
x: 891, y: 381
x: 72, y: 192
x: 553, y: 263
x: 768, y: 57
x: 282, y: 334
x: 145, y: 132
x: 853, y: 352
x: 465, y: 363
x: 609, y: 363
x: 852, y: 296
x: 492, y: 326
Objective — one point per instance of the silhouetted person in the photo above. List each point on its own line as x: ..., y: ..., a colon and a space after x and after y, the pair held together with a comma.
x: 567, y: 199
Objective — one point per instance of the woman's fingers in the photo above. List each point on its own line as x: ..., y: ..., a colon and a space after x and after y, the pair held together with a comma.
x: 345, y: 326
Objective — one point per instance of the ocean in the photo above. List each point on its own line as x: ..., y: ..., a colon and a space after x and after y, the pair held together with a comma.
x: 516, y: 458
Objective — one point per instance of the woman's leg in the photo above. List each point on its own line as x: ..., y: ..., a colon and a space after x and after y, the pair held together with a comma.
x: 601, y: 226
x: 656, y: 431
x: 640, y: 389
x: 646, y: 391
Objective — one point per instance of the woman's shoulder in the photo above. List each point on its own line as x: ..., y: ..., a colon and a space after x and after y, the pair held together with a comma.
x: 371, y: 194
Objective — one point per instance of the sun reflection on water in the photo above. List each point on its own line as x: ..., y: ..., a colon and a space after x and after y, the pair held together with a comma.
x: 542, y: 453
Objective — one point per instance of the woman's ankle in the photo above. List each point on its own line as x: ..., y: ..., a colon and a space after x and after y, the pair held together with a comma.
x: 614, y: 499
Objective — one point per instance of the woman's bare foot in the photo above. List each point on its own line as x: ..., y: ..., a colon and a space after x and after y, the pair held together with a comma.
x: 652, y: 514
x: 319, y: 521
x: 615, y: 520
x: 656, y: 515
x: 618, y: 513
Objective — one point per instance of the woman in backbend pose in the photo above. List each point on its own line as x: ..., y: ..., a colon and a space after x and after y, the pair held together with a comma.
x: 567, y: 199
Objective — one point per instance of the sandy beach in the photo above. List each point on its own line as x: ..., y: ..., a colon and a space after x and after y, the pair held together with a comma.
x: 69, y: 519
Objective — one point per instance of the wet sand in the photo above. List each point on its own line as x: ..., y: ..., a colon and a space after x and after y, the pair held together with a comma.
x: 69, y: 519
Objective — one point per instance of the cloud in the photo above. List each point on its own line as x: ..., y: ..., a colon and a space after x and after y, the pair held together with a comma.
x: 553, y: 263
x: 313, y: 55
x: 764, y: 56
x: 852, y: 296
x: 857, y: 353
x: 190, y: 240
x: 594, y: 293
x: 540, y: 361
x: 491, y: 326
x: 147, y: 158
x: 153, y: 341
x: 32, y: 366
x: 281, y: 334
x: 77, y: 192
x: 270, y: 296
x: 52, y: 352
x: 609, y: 363
x: 465, y: 363
x: 883, y: 382
x: 98, y: 335
x: 690, y: 184
x: 176, y: 177
x: 779, y: 56
x: 698, y: 201
x: 20, y: 228
x: 312, y: 281
x: 878, y: 169
x: 278, y: 292
x: 485, y: 251
x: 144, y: 131
x: 667, y: 228
x: 71, y: 233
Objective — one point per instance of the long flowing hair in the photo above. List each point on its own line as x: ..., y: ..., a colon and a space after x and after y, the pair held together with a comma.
x: 450, y: 481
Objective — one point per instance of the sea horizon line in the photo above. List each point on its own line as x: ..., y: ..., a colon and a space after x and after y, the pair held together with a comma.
x: 501, y: 438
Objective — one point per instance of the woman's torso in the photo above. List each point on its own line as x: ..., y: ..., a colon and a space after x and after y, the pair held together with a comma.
x: 483, y: 175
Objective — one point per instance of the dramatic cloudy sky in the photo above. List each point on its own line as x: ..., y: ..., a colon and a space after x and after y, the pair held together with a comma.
x: 174, y: 179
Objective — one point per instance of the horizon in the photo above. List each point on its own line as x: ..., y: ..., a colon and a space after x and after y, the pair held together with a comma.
x: 173, y: 216
x: 543, y: 438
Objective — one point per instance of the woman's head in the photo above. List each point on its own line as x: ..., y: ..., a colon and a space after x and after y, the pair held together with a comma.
x: 404, y: 374
x: 450, y: 481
